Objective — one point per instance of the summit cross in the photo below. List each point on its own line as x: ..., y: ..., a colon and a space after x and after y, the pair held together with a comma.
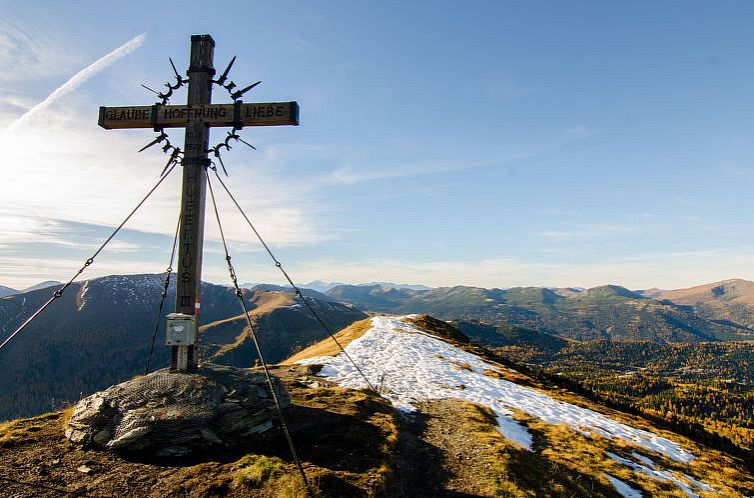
x: 197, y: 117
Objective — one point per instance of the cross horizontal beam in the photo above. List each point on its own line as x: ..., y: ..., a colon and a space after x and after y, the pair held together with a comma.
x: 238, y: 115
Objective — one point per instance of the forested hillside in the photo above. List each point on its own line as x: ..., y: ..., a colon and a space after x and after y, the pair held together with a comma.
x: 100, y: 331
x: 606, y: 312
x: 705, y: 385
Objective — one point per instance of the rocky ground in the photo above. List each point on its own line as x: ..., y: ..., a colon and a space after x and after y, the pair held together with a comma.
x: 342, y: 437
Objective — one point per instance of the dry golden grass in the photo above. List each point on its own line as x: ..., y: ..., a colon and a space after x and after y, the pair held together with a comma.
x: 347, y: 400
x: 494, y: 374
x: 28, y: 429
x: 566, y: 463
x: 327, y: 347
x: 264, y: 302
x: 739, y: 292
x: 271, y: 477
x: 360, y: 421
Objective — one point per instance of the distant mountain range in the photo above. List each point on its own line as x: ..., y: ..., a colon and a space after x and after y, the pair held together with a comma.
x: 728, y: 301
x: 9, y: 291
x: 325, y: 286
x: 99, y: 333
x: 606, y: 312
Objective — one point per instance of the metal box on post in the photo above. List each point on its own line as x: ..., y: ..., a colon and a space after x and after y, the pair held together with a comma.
x: 181, y: 329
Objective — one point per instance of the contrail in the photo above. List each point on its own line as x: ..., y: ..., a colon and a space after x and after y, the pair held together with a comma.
x: 80, y: 77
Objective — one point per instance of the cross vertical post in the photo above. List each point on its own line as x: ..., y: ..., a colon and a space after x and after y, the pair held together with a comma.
x: 197, y: 117
x: 195, y: 160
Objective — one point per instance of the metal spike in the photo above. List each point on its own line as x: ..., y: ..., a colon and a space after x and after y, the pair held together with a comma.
x: 245, y: 142
x: 177, y: 75
x: 230, y: 86
x: 153, y: 91
x: 157, y: 140
x: 224, y: 76
x: 172, y: 158
x: 222, y: 164
x: 241, y: 92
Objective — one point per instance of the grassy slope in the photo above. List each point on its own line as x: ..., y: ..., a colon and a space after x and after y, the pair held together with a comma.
x: 563, y: 463
x: 281, y: 324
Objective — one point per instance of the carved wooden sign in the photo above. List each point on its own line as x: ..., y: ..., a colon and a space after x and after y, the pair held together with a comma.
x: 178, y: 116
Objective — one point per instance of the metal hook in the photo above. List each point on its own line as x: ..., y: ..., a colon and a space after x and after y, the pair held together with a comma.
x: 177, y: 75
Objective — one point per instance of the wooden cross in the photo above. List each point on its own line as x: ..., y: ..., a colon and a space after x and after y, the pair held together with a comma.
x: 197, y: 116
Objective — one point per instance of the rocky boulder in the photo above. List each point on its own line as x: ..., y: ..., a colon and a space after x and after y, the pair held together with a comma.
x: 171, y: 413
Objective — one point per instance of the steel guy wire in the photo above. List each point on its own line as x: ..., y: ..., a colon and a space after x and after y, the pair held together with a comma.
x: 88, y: 262
x: 158, y: 316
x: 300, y: 295
x: 253, y: 334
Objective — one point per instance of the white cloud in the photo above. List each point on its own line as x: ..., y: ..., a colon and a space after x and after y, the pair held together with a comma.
x: 666, y: 270
x: 588, y: 231
x: 29, y: 52
x: 79, y: 78
x: 20, y: 272
x: 64, y: 170
x: 350, y: 173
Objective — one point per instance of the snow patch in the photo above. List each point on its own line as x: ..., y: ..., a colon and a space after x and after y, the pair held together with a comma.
x: 662, y: 475
x: 622, y: 488
x: 82, y: 295
x: 414, y: 367
x: 699, y: 484
x: 644, y: 459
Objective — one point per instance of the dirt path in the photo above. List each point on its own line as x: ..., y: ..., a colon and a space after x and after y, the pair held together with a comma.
x: 436, y: 456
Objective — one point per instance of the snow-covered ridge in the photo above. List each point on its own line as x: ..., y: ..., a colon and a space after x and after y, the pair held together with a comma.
x: 411, y: 366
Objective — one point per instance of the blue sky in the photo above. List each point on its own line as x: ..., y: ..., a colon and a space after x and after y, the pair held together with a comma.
x: 485, y: 143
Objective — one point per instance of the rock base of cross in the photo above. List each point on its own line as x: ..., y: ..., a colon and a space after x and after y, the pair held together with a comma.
x: 169, y: 413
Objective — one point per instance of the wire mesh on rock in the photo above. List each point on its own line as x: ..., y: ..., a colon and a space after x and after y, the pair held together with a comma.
x: 175, y: 413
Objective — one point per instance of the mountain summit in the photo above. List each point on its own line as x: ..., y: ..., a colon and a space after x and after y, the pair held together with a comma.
x: 732, y: 291
x: 445, y: 419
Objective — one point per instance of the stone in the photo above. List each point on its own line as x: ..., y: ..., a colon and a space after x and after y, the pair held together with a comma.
x: 102, y: 437
x: 169, y: 413
x: 84, y: 469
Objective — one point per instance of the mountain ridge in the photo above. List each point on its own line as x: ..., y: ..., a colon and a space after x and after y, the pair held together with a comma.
x: 603, y: 312
x: 99, y: 332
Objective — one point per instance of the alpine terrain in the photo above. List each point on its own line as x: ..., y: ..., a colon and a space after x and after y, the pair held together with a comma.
x: 442, y: 417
